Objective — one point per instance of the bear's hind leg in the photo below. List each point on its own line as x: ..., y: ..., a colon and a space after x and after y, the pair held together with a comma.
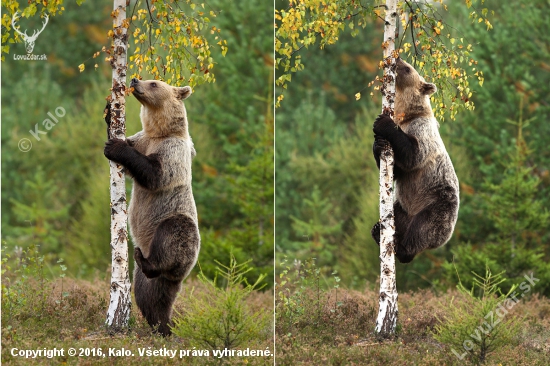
x: 154, y: 298
x: 173, y: 251
x: 429, y: 229
x: 172, y: 255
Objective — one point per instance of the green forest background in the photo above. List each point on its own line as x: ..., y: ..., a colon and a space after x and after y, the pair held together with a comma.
x: 56, y: 196
x: 327, y: 180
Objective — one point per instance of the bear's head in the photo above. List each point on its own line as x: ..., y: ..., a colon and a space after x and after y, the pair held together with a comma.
x: 412, y: 93
x: 163, y: 113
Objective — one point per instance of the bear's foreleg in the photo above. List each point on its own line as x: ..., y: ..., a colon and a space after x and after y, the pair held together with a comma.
x: 377, y: 147
x: 145, y: 169
x: 405, y: 147
x: 107, y: 113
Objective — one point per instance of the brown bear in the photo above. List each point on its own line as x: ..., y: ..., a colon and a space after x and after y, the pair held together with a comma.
x: 162, y: 213
x: 427, y: 192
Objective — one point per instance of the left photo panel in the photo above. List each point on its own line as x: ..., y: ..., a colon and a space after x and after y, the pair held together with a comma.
x: 137, y: 204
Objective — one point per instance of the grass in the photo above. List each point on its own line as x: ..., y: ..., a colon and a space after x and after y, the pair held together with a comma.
x: 334, y: 326
x: 71, y: 314
x: 318, y: 323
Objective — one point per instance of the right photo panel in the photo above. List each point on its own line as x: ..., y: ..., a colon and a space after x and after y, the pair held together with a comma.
x: 412, y: 182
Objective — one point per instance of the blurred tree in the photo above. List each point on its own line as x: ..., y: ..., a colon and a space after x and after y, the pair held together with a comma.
x: 516, y: 69
x: 520, y: 219
x: 82, y: 27
x: 41, y: 216
x: 318, y: 232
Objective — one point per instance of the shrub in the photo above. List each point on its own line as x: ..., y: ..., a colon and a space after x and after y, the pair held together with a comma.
x: 219, y: 317
x: 313, y: 309
x: 476, y: 326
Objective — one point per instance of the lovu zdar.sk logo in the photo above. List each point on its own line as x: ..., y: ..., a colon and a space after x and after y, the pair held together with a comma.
x: 29, y: 40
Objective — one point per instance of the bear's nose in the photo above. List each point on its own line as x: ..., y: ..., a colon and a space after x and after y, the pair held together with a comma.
x: 134, y: 81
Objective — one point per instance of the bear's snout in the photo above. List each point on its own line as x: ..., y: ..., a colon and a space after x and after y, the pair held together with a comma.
x: 134, y: 82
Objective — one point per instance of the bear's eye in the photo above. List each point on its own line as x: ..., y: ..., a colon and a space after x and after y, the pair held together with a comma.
x: 154, y: 85
x: 408, y: 70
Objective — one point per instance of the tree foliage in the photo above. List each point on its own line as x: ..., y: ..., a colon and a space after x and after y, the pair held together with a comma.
x: 172, y: 39
x: 220, y: 317
x: 441, y: 55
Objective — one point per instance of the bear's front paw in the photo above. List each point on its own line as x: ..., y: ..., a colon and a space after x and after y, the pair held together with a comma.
x: 384, y: 126
x: 113, y: 149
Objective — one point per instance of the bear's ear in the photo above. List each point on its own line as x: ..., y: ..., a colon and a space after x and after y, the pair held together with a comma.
x: 428, y: 88
x: 183, y: 93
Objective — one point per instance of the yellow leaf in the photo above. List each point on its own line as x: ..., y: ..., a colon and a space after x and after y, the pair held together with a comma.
x: 81, y: 67
x: 357, y: 96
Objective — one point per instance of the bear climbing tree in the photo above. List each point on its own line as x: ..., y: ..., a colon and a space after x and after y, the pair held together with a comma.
x: 171, y: 65
x: 443, y: 58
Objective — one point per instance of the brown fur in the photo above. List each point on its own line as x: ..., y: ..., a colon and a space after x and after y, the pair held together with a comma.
x: 427, y: 193
x: 162, y: 213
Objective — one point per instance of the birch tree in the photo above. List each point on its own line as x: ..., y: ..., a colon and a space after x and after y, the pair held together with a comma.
x: 386, y: 320
x: 120, y: 303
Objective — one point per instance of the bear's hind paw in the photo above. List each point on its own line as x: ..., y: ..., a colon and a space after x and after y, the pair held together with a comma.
x: 375, y: 232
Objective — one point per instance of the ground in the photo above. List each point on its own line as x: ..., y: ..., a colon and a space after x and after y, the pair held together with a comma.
x: 336, y: 328
x: 71, y: 313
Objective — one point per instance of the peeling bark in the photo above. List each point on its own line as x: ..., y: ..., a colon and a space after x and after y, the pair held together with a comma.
x: 387, y: 314
x: 118, y: 313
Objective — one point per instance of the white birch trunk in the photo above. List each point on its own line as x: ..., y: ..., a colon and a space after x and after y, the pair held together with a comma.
x: 120, y: 303
x: 387, y: 314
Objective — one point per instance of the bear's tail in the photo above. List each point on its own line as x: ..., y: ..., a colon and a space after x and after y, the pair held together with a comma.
x: 155, y: 298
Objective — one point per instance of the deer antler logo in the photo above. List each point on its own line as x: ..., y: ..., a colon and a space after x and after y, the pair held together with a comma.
x: 29, y: 40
